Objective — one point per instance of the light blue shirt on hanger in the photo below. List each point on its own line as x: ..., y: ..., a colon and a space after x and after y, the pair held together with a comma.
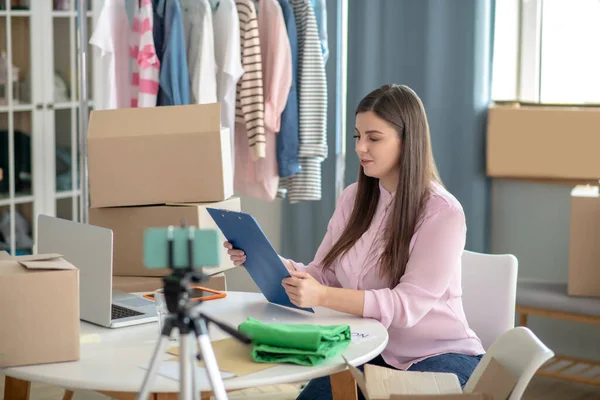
x: 169, y: 39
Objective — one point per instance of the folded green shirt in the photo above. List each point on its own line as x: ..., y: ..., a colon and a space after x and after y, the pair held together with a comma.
x: 302, y: 344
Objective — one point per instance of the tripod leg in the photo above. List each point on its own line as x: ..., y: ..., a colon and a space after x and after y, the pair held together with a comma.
x: 185, y: 370
x: 158, y: 349
x: 210, y: 361
x: 194, y: 361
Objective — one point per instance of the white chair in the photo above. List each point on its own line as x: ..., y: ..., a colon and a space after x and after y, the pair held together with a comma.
x: 489, y: 283
x: 520, y: 352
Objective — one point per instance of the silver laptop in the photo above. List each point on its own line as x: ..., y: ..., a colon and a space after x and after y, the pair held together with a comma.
x: 90, y: 249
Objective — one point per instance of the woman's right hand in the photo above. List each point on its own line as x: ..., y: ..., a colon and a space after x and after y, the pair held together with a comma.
x: 236, y: 256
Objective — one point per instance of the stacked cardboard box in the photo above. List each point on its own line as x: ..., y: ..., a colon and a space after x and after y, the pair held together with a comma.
x: 39, y: 309
x: 528, y: 142
x: 155, y: 167
x: 584, y: 242
x: 495, y: 382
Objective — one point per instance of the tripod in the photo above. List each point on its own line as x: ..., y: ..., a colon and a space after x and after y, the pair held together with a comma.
x: 184, y: 315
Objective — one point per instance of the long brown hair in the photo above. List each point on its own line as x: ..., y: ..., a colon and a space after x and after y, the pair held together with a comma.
x: 400, y: 107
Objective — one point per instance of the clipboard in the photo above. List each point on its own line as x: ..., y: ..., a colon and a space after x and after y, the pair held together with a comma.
x: 262, y: 261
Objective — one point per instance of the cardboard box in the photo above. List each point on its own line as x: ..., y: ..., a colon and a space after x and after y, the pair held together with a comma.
x: 39, y: 310
x: 584, y: 251
x: 128, y: 225
x: 379, y: 383
x: 158, y: 155
x: 536, y: 142
x: 139, y: 284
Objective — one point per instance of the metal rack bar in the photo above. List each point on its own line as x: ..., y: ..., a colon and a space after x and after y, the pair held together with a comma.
x: 83, y: 109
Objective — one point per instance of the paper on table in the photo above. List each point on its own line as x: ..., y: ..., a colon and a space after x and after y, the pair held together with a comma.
x: 170, y: 369
x: 90, y: 338
x: 232, y: 356
x: 359, y: 337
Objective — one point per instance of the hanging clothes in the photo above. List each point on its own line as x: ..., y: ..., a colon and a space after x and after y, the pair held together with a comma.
x: 320, y: 9
x: 287, y: 139
x: 312, y: 98
x: 260, y: 178
x: 250, y: 107
x: 174, y: 77
x: 228, y: 59
x: 145, y: 67
x: 158, y: 29
x: 200, y: 49
x: 113, y: 52
x: 276, y: 56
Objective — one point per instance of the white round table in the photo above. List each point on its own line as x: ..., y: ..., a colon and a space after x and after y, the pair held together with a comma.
x: 110, y: 358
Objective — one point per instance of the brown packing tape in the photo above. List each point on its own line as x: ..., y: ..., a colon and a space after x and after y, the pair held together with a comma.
x: 232, y: 356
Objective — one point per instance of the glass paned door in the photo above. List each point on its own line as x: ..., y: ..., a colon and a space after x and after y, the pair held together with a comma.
x: 66, y: 104
x: 19, y: 137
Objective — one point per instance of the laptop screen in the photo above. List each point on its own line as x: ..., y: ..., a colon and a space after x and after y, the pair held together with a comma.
x: 89, y: 248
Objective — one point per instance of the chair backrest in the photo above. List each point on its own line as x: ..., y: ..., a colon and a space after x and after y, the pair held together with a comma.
x: 520, y: 352
x: 489, y: 283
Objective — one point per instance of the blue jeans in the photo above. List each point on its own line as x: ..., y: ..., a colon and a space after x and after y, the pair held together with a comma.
x: 459, y: 364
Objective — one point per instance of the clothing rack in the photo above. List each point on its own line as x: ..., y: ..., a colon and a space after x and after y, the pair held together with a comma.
x: 82, y: 77
x: 340, y: 96
x: 341, y: 91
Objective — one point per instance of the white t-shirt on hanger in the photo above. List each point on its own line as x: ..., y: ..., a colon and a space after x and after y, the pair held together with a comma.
x: 200, y: 45
x: 226, y: 27
x: 110, y: 40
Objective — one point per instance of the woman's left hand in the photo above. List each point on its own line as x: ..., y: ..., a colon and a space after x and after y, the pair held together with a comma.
x: 304, y: 290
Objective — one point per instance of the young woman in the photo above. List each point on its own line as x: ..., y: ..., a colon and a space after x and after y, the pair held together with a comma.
x: 393, y: 247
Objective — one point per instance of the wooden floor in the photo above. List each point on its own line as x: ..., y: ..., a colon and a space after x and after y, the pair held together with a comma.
x: 40, y: 391
x: 540, y: 388
x: 551, y: 389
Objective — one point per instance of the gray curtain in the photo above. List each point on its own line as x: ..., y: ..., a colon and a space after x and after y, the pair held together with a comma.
x: 440, y: 48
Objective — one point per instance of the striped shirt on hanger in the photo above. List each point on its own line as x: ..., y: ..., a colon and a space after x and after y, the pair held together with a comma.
x: 312, y: 99
x: 145, y: 67
x: 250, y: 109
x: 312, y: 84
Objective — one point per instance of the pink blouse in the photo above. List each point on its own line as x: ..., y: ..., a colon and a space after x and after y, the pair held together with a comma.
x: 259, y: 178
x: 423, y: 313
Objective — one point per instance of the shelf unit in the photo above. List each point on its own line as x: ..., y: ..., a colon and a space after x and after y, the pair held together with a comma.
x: 39, y: 127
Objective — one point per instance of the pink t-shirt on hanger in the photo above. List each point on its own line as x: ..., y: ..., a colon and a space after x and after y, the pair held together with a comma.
x: 260, y: 178
x: 146, y: 65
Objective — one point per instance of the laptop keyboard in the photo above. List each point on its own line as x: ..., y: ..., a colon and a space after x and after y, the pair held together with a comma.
x: 119, y: 312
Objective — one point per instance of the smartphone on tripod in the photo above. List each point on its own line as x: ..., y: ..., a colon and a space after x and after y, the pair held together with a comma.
x: 186, y: 251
